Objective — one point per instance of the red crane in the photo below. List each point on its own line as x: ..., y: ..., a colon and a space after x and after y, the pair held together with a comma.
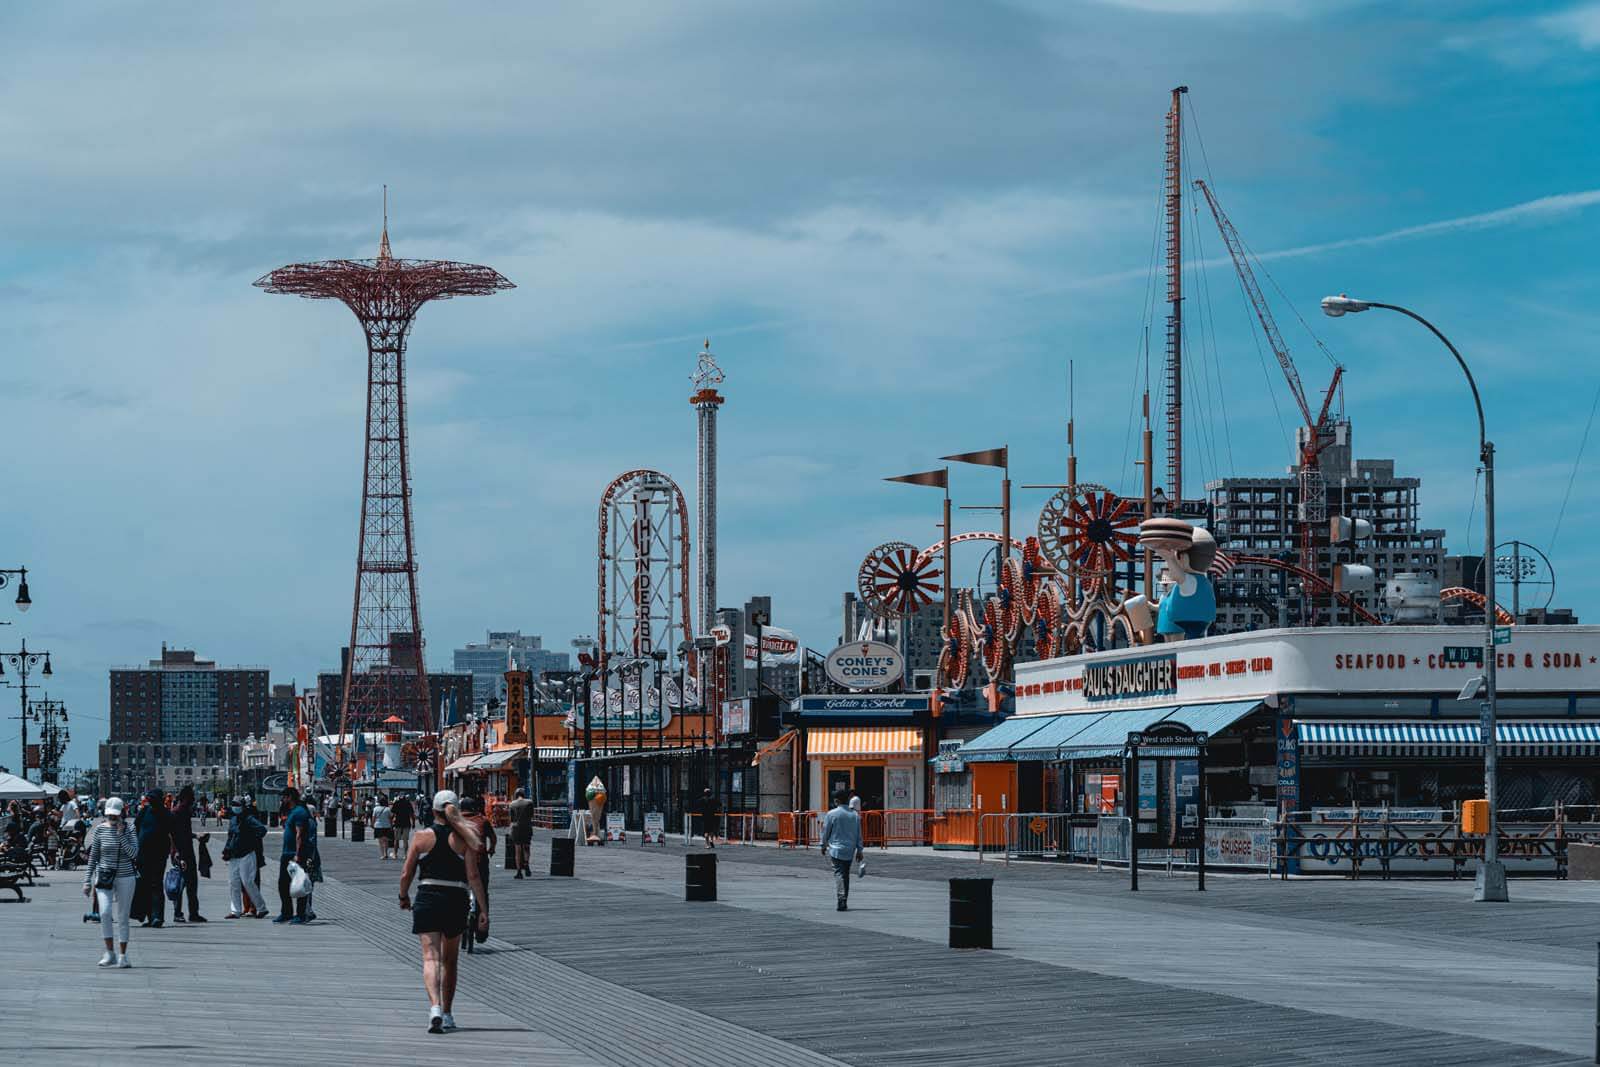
x: 1313, y: 497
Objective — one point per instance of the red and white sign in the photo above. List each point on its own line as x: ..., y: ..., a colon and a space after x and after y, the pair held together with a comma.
x: 1366, y: 659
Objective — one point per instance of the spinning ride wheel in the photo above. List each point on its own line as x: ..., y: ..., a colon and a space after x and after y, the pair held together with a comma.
x: 896, y: 580
x: 1089, y: 528
x: 955, y: 659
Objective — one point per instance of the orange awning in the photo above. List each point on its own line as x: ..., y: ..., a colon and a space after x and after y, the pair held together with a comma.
x: 772, y: 746
x: 829, y: 741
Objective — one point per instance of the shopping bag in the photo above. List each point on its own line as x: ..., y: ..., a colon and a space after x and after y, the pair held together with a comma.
x: 173, y: 883
x: 299, y: 881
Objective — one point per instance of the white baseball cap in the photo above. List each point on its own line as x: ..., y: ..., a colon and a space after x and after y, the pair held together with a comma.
x: 114, y: 806
x: 443, y: 797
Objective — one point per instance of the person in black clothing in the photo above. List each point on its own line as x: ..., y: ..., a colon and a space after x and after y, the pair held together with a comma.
x: 447, y: 859
x: 155, y: 848
x: 708, y: 816
x: 401, y: 814
x: 182, y: 829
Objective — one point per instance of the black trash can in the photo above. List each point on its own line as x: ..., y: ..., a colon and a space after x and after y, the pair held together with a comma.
x: 972, y: 913
x: 358, y: 830
x: 700, y: 876
x: 561, y: 853
x: 330, y: 825
x: 509, y: 850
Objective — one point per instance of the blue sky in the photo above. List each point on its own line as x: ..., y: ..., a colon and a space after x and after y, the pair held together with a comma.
x: 896, y: 221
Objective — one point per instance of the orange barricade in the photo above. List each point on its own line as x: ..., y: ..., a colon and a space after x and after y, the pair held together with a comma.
x: 897, y: 826
x: 739, y: 828
x: 797, y: 829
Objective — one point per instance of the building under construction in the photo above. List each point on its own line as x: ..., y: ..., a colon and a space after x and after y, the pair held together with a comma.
x: 1262, y: 517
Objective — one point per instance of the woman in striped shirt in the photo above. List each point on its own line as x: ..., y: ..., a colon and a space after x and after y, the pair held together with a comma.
x: 112, y: 849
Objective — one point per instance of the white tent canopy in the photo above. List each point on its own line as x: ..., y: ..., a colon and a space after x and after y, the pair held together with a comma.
x: 14, y: 788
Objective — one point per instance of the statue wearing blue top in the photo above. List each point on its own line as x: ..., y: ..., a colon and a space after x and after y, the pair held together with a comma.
x: 1189, y: 606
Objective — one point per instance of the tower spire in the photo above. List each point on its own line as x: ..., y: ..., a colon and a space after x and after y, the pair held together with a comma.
x: 383, y: 242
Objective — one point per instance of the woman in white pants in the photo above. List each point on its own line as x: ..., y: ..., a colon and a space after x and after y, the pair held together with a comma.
x: 245, y: 831
x: 111, y: 875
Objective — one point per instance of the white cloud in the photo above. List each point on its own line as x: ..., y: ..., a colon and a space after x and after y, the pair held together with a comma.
x: 1579, y: 24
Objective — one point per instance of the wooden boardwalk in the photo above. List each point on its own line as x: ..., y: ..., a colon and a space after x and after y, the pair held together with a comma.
x: 613, y: 967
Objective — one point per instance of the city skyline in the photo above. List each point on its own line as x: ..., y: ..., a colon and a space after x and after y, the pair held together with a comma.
x: 879, y: 294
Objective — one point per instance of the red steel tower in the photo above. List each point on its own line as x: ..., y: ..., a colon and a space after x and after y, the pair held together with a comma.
x: 384, y: 671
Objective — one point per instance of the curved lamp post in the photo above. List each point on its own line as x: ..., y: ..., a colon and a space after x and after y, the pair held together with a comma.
x: 1491, y: 880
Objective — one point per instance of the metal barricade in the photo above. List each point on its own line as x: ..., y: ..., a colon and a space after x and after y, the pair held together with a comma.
x: 897, y: 826
x: 991, y: 834
x: 798, y: 829
x: 739, y: 828
x: 1037, y: 835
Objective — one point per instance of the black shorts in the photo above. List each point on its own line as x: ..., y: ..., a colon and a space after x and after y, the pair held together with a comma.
x: 522, y: 835
x: 382, y: 833
x: 439, y: 909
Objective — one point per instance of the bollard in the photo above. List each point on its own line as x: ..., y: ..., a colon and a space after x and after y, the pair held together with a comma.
x: 510, y: 851
x: 972, y: 913
x: 358, y: 830
x: 700, y: 876
x: 330, y: 826
x: 561, y: 852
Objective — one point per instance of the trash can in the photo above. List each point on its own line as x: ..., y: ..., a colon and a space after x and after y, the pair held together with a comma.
x: 330, y: 825
x: 972, y: 913
x: 358, y: 830
x: 562, y: 850
x: 700, y: 876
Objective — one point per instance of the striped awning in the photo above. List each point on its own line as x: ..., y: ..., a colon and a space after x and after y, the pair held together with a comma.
x: 1448, y: 739
x: 460, y: 764
x: 880, y: 741
x: 493, y: 761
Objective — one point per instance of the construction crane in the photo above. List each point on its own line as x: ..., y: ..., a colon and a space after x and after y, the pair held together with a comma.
x: 1313, y: 494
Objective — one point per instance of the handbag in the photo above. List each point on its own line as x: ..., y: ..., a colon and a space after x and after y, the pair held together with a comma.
x: 172, y: 884
x: 106, y: 877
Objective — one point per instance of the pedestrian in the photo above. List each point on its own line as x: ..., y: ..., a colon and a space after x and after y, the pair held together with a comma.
x: 180, y: 819
x: 245, y: 832
x: 472, y: 809
x: 261, y: 857
x: 111, y: 877
x: 155, y: 849
x: 401, y: 814
x: 708, y: 816
x: 425, y: 814
x: 383, y: 828
x: 841, y: 843
x: 447, y: 860
x: 521, y: 833
x: 299, y: 838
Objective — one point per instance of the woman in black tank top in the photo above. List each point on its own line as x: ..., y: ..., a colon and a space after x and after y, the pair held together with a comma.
x: 444, y: 861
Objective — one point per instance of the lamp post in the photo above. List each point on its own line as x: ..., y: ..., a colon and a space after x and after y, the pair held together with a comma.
x: 1491, y: 881
x: 51, y: 715
x: 24, y: 601
x: 23, y: 661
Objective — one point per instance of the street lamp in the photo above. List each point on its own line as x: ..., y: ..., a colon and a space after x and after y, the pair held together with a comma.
x: 24, y: 601
x: 23, y: 662
x: 1491, y: 880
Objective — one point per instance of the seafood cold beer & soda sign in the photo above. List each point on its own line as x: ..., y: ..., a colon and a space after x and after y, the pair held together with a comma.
x: 1345, y: 659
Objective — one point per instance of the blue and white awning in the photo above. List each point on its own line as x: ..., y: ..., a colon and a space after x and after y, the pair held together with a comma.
x: 1448, y: 739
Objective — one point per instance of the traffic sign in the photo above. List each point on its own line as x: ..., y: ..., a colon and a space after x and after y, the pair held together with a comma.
x: 1502, y: 635
x: 1463, y: 654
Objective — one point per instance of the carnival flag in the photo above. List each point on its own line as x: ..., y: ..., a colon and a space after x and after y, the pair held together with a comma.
x: 632, y: 698
x: 691, y: 690
x: 989, y: 457
x: 939, y: 479
x: 614, y: 701
x: 674, y: 694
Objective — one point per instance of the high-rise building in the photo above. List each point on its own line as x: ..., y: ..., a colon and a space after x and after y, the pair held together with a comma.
x: 1261, y: 517
x: 128, y: 768
x: 181, y: 697
x: 924, y: 636
x: 280, y: 705
x: 446, y: 690
x: 488, y: 662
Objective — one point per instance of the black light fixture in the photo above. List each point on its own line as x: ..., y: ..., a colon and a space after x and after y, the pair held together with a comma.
x: 47, y: 671
x: 24, y: 601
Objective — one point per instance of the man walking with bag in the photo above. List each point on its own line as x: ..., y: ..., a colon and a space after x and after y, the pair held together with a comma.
x: 841, y: 843
x: 299, y: 840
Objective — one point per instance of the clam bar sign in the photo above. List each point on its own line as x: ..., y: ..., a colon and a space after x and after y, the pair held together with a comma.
x: 865, y: 665
x: 1326, y: 660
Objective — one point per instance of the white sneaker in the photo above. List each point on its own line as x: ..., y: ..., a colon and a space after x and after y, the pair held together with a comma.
x: 435, y: 1020
x: 123, y: 962
x: 108, y: 959
x: 449, y: 1022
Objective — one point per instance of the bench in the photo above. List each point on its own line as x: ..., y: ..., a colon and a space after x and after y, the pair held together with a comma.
x: 11, y: 878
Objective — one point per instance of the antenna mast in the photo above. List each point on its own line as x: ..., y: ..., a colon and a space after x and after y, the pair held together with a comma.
x: 1174, y: 185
